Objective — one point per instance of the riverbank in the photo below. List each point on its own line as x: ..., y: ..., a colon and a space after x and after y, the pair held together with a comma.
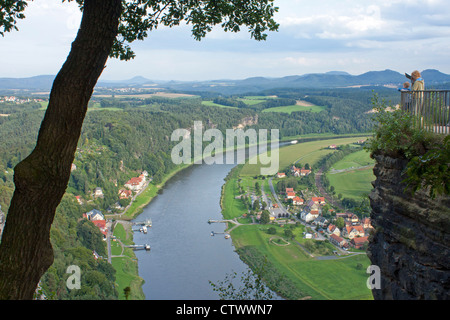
x: 124, y: 260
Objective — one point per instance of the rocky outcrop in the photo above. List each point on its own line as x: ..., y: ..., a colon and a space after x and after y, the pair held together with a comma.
x: 411, y: 240
x: 247, y: 121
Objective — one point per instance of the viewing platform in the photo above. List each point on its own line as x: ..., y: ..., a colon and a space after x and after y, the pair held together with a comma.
x: 430, y: 108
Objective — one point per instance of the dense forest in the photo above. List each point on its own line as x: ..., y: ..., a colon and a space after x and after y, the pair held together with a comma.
x: 132, y: 135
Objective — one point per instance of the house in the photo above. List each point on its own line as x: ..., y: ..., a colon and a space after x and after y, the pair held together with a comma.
x: 341, y: 215
x: 359, y: 242
x: 318, y: 200
x: 332, y: 229
x: 289, y: 190
x: 101, y: 225
x: 353, y: 231
x: 333, y: 146
x: 281, y: 175
x: 366, y: 223
x: 320, y: 221
x: 338, y: 241
x: 300, y: 172
x: 353, y: 218
x: 309, y: 216
x: 98, y: 193
x: 135, y: 184
x: 304, y: 172
x: 79, y: 200
x: 124, y: 193
x: 94, y: 215
x: 290, y: 195
x: 297, y: 201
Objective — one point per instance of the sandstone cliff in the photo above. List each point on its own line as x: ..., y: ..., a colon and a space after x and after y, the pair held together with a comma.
x: 411, y: 239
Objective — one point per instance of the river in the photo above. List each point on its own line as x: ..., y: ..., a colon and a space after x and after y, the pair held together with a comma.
x: 184, y: 256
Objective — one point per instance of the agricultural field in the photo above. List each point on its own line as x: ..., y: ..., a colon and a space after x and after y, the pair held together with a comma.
x: 307, y: 152
x: 352, y: 184
x: 352, y: 176
x: 305, y: 277
x: 353, y: 161
x: 252, y: 100
x: 212, y: 104
x: 297, y: 107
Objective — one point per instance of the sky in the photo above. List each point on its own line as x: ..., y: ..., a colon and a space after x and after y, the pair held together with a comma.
x: 355, y: 36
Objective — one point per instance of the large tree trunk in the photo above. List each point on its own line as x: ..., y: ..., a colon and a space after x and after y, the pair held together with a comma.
x: 41, y: 179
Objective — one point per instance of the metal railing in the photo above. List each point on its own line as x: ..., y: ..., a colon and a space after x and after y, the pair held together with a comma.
x: 430, y: 109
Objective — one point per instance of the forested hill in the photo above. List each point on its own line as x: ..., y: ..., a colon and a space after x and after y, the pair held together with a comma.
x: 123, y: 137
x: 313, y: 80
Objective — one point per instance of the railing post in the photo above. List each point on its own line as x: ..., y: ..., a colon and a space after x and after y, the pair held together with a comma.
x: 430, y: 109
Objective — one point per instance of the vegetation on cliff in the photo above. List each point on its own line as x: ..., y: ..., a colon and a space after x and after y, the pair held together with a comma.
x: 428, y: 154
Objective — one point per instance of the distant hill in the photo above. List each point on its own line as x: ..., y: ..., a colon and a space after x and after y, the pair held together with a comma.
x: 332, y: 79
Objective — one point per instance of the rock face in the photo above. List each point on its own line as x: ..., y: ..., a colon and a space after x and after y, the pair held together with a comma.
x: 411, y: 240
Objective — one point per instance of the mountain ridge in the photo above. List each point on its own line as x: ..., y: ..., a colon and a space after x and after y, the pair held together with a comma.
x: 331, y: 79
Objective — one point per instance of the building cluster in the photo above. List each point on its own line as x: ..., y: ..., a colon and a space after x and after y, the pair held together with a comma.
x: 98, y: 219
x: 136, y: 184
x: 354, y: 233
x: 296, y: 172
x: 17, y: 100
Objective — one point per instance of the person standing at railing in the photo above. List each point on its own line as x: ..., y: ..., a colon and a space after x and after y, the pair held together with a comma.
x: 406, y: 98
x: 418, y: 86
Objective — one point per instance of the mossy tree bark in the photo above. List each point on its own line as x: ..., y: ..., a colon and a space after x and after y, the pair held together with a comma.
x: 41, y: 179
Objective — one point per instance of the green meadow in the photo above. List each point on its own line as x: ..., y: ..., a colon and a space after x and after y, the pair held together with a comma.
x: 352, y: 184
x: 307, y: 152
x: 352, y: 176
x: 212, y: 104
x: 125, y: 264
x: 297, y: 275
x: 294, y: 108
x: 354, y: 160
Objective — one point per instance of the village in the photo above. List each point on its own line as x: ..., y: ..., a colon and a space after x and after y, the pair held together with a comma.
x: 130, y: 190
x: 345, y: 230
x: 18, y: 100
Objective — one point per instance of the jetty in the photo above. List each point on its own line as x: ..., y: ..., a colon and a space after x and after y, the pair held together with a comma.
x: 227, y: 235
x: 139, y: 247
x: 146, y: 223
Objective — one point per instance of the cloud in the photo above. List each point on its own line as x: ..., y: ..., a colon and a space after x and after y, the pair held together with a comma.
x: 314, y: 36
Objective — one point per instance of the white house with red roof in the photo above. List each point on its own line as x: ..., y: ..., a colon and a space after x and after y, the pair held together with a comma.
x: 332, y: 229
x: 281, y: 175
x: 297, y: 201
x: 359, y: 242
x: 336, y: 240
x: 353, y: 231
x: 318, y: 200
x: 290, y: 195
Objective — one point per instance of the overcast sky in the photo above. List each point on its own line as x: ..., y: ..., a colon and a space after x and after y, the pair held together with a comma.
x: 355, y: 36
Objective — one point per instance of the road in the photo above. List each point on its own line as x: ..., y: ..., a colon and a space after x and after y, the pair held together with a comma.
x: 284, y: 210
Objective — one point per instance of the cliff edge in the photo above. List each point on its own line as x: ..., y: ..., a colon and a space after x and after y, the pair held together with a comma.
x: 411, y: 240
